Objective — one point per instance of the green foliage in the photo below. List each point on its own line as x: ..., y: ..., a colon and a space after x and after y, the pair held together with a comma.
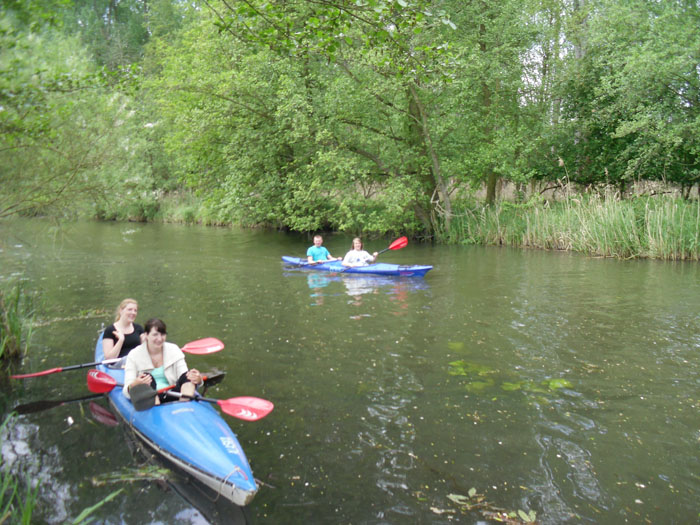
x: 480, y: 378
x: 631, y: 94
x: 370, y: 117
x: 16, y: 318
x: 66, y: 140
x: 113, y: 32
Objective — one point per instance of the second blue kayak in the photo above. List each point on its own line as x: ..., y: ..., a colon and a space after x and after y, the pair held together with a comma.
x: 372, y: 269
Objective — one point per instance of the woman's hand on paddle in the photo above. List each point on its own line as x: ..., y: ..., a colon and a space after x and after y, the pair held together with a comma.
x: 144, y: 378
x: 193, y: 376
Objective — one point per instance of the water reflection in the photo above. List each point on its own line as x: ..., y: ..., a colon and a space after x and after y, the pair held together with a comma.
x: 27, y: 458
x: 317, y: 282
x: 357, y: 286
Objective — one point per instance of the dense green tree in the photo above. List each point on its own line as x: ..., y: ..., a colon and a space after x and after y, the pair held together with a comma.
x: 115, y: 31
x: 363, y: 116
x: 631, y: 94
x: 65, y: 138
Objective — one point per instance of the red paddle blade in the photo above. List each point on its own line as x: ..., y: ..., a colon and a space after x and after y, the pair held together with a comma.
x: 399, y: 243
x: 99, y: 382
x: 37, y: 374
x: 208, y: 345
x: 246, y: 408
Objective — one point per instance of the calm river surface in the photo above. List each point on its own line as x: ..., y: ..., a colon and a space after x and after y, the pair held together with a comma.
x: 549, y: 382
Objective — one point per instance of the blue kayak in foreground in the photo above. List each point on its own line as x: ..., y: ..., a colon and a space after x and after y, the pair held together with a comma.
x: 372, y: 269
x: 192, y: 435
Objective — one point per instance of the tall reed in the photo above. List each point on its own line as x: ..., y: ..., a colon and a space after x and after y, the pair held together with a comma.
x: 651, y: 227
x: 16, y: 320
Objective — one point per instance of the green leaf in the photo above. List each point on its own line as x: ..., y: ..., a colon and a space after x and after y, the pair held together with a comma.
x: 458, y: 499
x: 527, y: 517
x: 555, y: 384
x: 83, y: 515
x: 509, y: 387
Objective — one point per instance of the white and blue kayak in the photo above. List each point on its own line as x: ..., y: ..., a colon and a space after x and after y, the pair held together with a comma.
x: 371, y: 269
x: 191, y: 435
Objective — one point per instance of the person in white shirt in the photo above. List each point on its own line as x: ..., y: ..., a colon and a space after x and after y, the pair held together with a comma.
x: 159, y: 364
x: 357, y: 256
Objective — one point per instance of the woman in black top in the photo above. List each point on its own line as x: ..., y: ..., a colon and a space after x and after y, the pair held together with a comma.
x: 119, y: 338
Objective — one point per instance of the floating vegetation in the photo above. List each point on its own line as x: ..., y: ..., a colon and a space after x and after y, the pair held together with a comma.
x: 82, y: 314
x: 543, y: 387
x: 84, y: 516
x: 482, y: 378
x: 464, y: 368
x: 475, y: 502
x: 145, y: 473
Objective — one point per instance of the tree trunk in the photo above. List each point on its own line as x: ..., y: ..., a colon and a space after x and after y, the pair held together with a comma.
x: 435, y: 183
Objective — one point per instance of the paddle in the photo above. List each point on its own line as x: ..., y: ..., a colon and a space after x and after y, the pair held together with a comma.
x: 208, y: 345
x: 65, y: 368
x: 246, y: 408
x: 37, y: 406
x: 399, y: 243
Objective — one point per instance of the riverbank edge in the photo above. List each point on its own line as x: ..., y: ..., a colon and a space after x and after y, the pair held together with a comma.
x: 642, y: 227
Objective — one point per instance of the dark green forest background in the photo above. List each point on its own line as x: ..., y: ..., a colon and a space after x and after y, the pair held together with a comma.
x: 427, y: 118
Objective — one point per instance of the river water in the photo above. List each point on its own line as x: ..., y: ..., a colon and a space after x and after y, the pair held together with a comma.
x: 534, y: 381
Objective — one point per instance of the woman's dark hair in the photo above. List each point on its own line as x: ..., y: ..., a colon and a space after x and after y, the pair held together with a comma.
x: 157, y: 324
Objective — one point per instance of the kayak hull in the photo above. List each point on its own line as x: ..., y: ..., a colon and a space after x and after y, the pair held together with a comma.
x: 191, y: 435
x: 371, y: 269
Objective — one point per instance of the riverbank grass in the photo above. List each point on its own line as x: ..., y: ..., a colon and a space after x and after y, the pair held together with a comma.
x: 643, y: 227
x: 16, y: 321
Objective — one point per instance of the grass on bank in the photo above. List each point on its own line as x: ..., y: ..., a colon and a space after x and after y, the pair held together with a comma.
x: 660, y: 227
x: 643, y: 227
x: 16, y: 320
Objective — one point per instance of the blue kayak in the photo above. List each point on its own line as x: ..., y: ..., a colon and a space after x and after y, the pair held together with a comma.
x: 371, y: 269
x: 192, y: 435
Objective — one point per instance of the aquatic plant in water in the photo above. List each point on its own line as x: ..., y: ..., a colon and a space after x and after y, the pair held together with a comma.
x: 482, y: 377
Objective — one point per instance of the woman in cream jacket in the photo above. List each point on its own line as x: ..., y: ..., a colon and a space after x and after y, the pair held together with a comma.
x: 159, y: 364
